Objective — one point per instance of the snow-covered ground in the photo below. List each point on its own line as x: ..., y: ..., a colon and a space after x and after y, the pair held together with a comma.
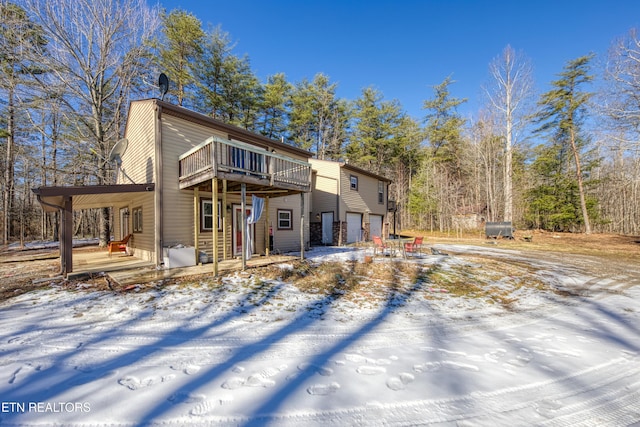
x: 256, y: 352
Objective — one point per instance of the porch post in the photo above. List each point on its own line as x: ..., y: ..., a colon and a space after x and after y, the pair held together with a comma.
x: 215, y: 225
x: 66, y: 243
x: 267, y: 235
x: 243, y: 207
x: 225, y: 219
x: 301, y: 225
x: 196, y: 222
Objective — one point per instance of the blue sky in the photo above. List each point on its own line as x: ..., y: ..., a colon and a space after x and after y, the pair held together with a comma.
x: 404, y: 48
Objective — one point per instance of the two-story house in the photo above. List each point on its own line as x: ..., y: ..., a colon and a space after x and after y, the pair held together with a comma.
x: 187, y: 180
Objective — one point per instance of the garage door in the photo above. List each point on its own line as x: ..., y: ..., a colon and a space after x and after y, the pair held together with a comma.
x: 375, y: 225
x: 354, y: 227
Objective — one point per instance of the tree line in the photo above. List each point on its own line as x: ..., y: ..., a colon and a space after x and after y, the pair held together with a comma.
x: 563, y: 160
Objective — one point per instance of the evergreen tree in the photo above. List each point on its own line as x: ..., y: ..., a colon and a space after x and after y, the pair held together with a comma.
x: 441, y: 171
x: 444, y: 126
x: 272, y: 121
x: 226, y: 87
x: 374, y: 142
x: 562, y: 116
x: 209, y: 69
x: 242, y: 93
x: 317, y: 119
x: 178, y: 48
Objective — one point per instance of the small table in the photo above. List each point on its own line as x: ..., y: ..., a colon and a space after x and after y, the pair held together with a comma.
x: 400, y: 242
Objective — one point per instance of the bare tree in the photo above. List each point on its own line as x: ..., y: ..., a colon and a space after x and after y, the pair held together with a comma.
x: 618, y: 105
x: 512, y: 87
x: 96, y: 51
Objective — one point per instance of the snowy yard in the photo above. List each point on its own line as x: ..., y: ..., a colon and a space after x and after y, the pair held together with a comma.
x: 484, y: 336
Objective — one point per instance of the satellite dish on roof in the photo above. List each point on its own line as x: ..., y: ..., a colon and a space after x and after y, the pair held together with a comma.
x: 163, y: 83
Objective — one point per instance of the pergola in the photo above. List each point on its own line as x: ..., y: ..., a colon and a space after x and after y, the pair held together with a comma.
x: 67, y: 198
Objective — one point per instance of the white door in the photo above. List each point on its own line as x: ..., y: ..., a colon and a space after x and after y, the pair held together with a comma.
x: 124, y: 222
x: 375, y: 225
x: 237, y: 229
x: 327, y: 228
x: 354, y: 227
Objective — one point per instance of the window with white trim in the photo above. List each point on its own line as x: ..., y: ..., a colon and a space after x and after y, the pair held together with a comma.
x: 137, y: 220
x: 353, y: 182
x: 206, y: 215
x: 285, y: 219
x: 380, y: 192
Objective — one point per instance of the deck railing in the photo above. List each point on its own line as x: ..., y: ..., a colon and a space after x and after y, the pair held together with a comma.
x: 216, y: 156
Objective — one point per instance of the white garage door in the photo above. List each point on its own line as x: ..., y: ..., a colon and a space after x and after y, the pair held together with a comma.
x: 354, y: 227
x: 375, y: 226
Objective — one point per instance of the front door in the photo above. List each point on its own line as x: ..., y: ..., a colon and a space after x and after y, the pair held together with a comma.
x: 237, y: 229
x: 124, y: 222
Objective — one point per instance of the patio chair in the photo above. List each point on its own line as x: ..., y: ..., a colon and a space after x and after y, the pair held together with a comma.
x: 418, y: 243
x: 382, y: 247
x: 119, y: 245
x: 414, y: 247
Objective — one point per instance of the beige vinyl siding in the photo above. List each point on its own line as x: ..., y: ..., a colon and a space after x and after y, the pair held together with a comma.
x: 141, y: 243
x: 178, y: 137
x: 326, y: 188
x: 363, y: 199
x: 138, y: 161
x: 288, y: 240
x: 284, y: 240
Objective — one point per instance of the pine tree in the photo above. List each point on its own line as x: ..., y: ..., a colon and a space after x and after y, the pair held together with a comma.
x: 374, y: 141
x: 562, y: 116
x: 179, y: 46
x: 272, y: 120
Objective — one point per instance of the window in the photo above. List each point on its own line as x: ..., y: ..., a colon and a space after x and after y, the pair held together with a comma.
x: 137, y: 220
x: 353, y: 180
x: 206, y: 215
x: 380, y: 192
x: 285, y: 219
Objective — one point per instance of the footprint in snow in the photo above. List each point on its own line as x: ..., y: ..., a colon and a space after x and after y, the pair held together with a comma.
x: 187, y: 368
x: 184, y: 397
x: 427, y: 367
x: 548, y: 408
x: 134, y: 383
x: 259, y: 379
x: 320, y: 370
x: 371, y: 370
x: 23, y: 370
x: 400, y: 382
x: 323, y: 389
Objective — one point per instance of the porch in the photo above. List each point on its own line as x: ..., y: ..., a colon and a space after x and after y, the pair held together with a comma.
x: 244, y: 170
x: 126, y: 270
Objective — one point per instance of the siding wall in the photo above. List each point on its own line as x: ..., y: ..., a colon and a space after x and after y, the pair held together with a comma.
x: 366, y: 197
x: 178, y: 136
x: 332, y: 192
x: 326, y: 189
x: 138, y: 162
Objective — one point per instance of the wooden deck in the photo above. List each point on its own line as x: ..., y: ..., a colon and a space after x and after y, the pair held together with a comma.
x: 127, y: 270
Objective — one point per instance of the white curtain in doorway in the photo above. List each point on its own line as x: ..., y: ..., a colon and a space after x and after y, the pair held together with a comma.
x: 256, y: 211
